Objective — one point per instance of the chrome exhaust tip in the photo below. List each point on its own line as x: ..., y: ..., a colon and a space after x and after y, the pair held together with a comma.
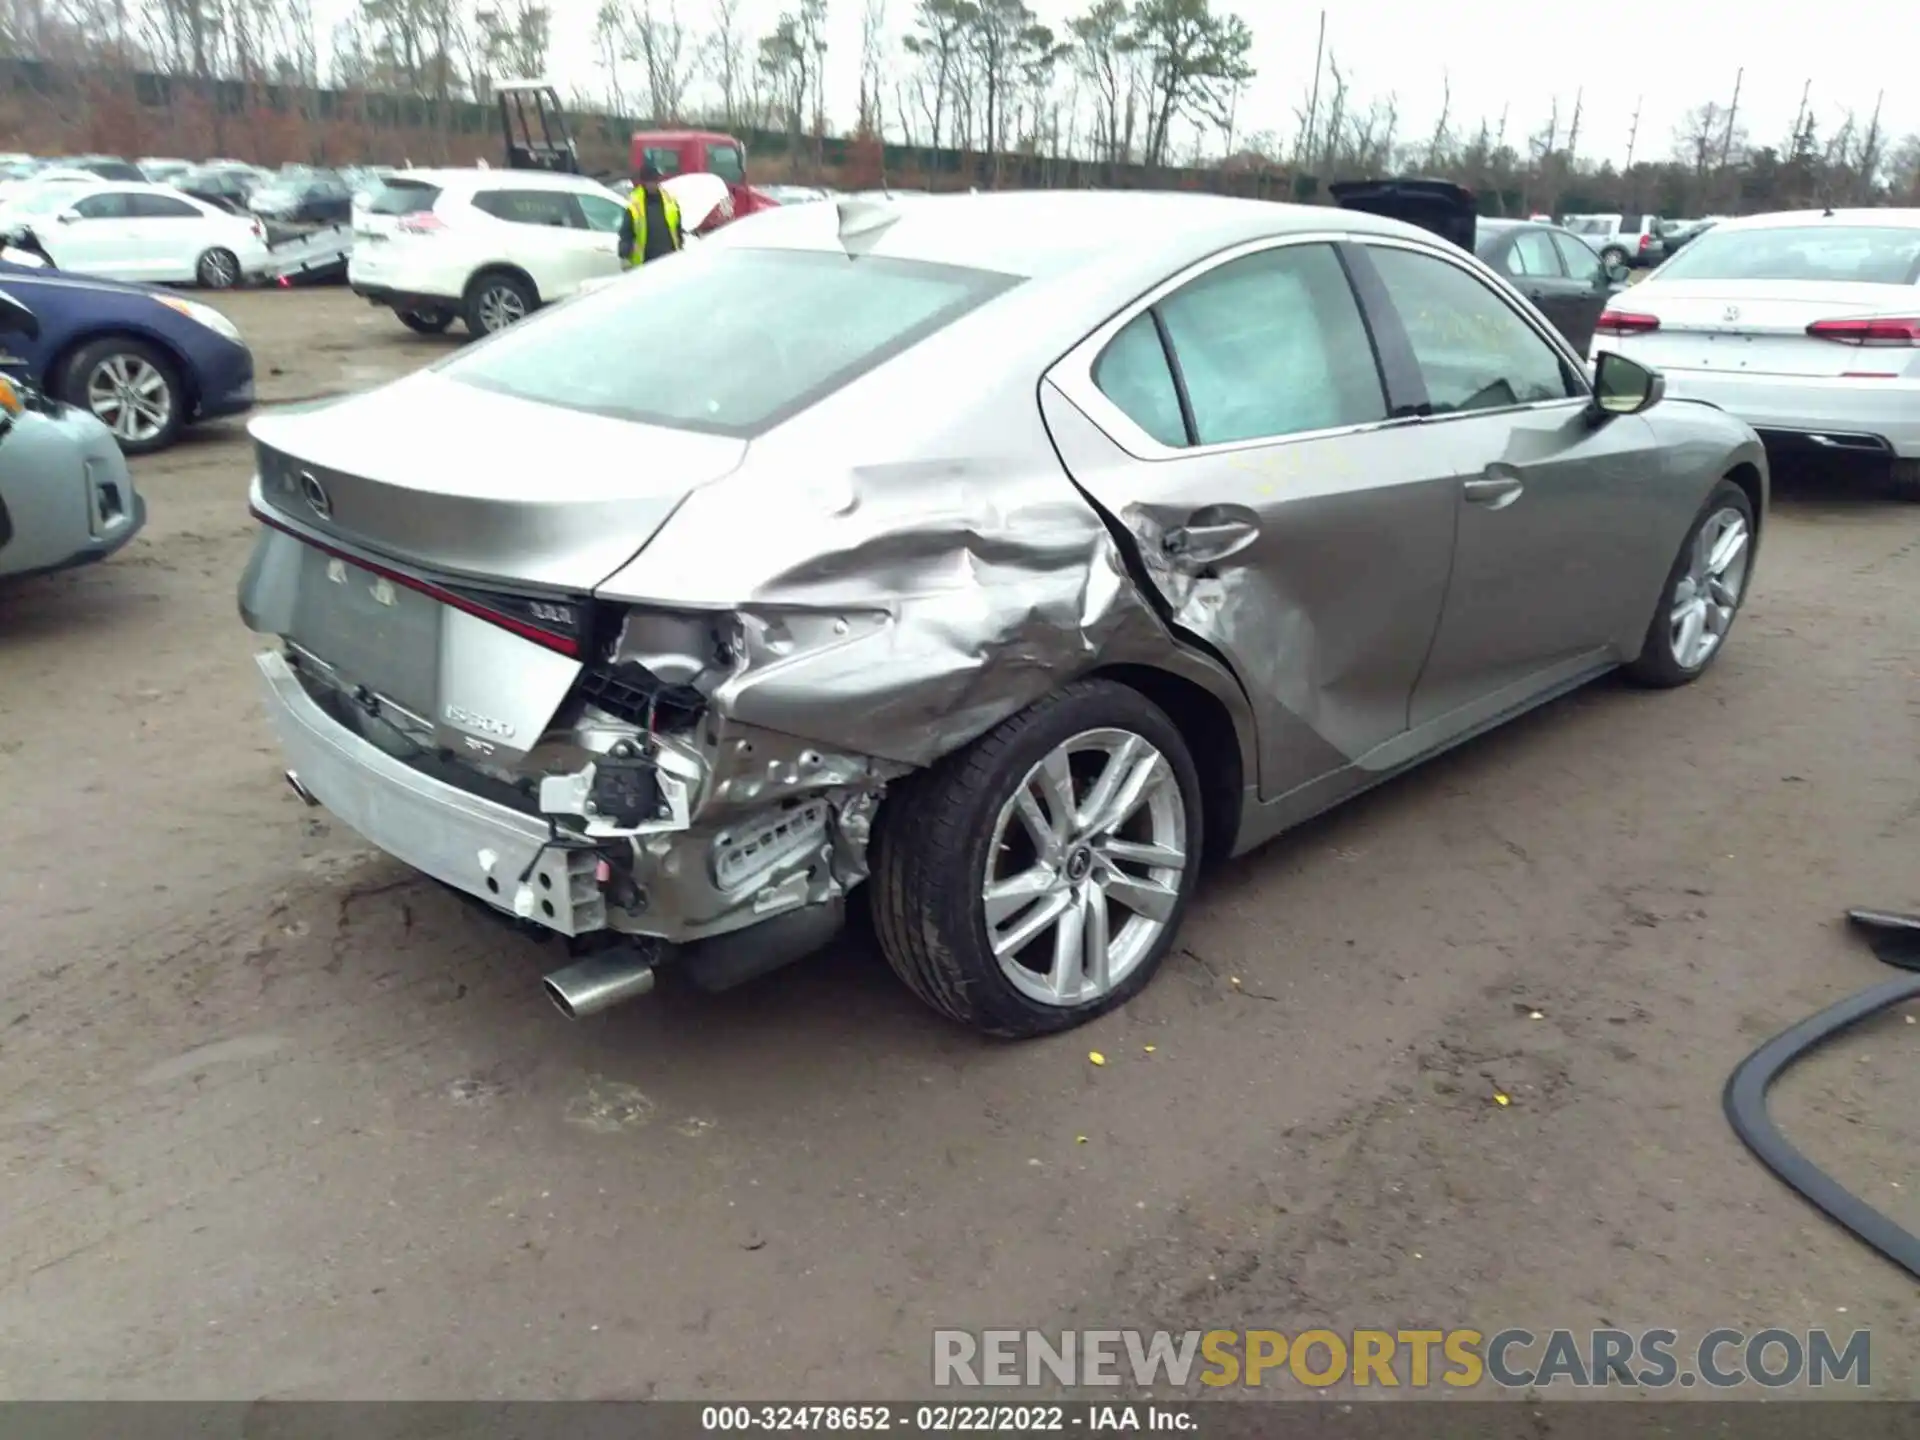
x: 293, y: 779
x: 598, y: 983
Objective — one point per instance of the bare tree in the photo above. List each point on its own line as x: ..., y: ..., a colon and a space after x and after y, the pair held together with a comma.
x: 1439, y: 141
x: 725, y: 59
x: 873, y: 64
x: 667, y: 52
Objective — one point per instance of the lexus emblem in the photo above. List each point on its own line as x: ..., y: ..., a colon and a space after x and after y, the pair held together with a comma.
x: 1732, y: 312
x: 315, y: 494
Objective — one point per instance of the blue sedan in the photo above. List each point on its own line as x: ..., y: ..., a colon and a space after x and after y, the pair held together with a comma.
x: 147, y: 362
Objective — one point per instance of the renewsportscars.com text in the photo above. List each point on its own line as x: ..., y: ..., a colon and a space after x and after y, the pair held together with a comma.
x: 1510, y: 1359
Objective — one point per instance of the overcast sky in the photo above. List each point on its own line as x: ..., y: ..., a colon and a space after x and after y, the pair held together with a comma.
x: 1666, y: 57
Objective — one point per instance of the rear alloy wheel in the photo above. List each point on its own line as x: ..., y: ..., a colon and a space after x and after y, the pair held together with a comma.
x: 1037, y: 878
x: 497, y: 300
x: 218, y: 270
x: 131, y: 388
x: 1613, y: 255
x: 1702, y: 595
x: 425, y: 322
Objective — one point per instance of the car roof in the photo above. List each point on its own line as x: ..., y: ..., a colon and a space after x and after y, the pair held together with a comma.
x: 473, y: 177
x: 1038, y: 233
x: 1904, y: 219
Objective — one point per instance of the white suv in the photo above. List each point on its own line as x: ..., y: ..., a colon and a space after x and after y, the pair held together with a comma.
x: 486, y: 246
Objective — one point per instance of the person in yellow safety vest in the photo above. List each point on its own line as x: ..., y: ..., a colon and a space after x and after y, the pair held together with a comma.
x: 651, y: 226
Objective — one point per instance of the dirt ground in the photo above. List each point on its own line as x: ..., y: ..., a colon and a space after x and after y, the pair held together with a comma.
x: 277, y: 1120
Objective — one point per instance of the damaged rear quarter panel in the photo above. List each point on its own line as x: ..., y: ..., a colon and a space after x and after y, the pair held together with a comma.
x: 901, y: 607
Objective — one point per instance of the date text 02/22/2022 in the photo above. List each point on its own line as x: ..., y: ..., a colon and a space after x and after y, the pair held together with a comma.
x: 946, y: 1419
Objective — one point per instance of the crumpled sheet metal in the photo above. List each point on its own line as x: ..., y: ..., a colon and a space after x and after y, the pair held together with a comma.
x: 900, y: 611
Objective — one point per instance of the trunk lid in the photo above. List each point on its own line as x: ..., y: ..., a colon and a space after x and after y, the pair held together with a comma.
x: 1759, y: 327
x: 467, y: 482
x: 1439, y: 206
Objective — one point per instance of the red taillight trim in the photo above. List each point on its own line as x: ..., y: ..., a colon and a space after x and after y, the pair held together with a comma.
x: 564, y: 644
x: 1874, y: 331
x: 1646, y: 242
x: 1625, y: 322
x: 421, y: 222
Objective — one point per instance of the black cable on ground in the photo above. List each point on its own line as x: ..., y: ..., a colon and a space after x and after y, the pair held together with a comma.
x: 1745, y: 1098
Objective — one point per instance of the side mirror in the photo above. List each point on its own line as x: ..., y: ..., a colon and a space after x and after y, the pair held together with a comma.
x: 17, y: 319
x: 1624, y: 387
x: 67, y: 217
x: 1617, y: 272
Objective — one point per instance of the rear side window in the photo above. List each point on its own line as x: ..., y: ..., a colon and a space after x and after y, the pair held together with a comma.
x: 1861, y: 254
x: 403, y: 197
x: 161, y: 207
x: 811, y: 322
x: 1273, y: 344
x: 528, y: 207
x: 1133, y: 373
x: 725, y: 161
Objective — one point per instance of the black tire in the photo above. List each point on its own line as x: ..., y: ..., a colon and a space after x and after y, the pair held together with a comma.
x: 76, y: 384
x: 218, y: 269
x: 426, y: 322
x: 1656, y: 666
x: 1903, y: 479
x: 931, y: 853
x: 509, y: 291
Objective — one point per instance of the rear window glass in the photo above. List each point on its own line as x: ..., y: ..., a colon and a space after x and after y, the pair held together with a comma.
x: 403, y: 197
x: 1869, y: 254
x: 751, y: 337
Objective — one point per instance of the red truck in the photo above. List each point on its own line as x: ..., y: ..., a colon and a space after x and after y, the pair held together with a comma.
x: 537, y: 138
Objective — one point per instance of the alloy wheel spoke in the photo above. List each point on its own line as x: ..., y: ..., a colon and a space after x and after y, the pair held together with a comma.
x: 1146, y: 898
x: 1686, y: 644
x: 1147, y: 773
x: 1068, y: 974
x: 1096, y: 943
x: 1112, y: 775
x: 1136, y: 852
x: 1055, y: 782
x: 1005, y: 899
x: 1727, y: 548
x: 1039, y: 829
x: 1038, y: 919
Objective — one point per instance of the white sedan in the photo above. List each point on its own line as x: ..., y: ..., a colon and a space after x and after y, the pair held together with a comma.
x: 1806, y: 325
x: 150, y: 233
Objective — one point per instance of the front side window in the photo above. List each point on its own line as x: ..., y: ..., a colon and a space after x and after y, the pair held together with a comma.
x: 725, y: 161
x: 666, y: 161
x: 601, y: 214
x: 1133, y: 373
x: 1474, y: 351
x: 812, y: 322
x: 1273, y: 344
x: 1581, y: 262
x: 1533, y: 254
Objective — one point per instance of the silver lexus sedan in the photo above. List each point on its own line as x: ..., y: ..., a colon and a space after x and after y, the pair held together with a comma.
x: 1000, y: 555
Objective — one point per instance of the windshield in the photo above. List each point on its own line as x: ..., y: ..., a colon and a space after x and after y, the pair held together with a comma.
x: 810, y: 322
x: 1869, y: 254
x: 42, y: 199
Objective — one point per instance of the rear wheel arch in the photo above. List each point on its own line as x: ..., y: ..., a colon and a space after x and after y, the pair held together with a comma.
x: 1213, y: 739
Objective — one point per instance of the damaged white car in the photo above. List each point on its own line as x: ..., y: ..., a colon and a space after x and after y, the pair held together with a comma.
x: 998, y: 554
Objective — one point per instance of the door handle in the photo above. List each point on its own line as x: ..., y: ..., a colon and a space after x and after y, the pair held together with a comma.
x: 1212, y: 533
x: 1494, y: 490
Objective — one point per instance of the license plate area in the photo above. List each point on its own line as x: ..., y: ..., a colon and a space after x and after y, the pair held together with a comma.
x: 369, y: 630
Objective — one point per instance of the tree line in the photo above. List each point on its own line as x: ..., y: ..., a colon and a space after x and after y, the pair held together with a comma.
x: 1124, y: 85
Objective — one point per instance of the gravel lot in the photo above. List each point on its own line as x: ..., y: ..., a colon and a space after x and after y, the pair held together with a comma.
x: 278, y: 1121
